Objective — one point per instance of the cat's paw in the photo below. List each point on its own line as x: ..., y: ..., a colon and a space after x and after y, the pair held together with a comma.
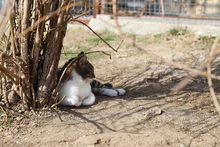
x: 90, y: 100
x: 120, y: 91
x: 71, y: 101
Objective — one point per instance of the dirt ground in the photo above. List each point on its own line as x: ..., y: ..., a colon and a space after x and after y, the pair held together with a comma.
x: 147, y: 115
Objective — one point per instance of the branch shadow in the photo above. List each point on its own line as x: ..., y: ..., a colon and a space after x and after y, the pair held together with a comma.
x: 147, y: 89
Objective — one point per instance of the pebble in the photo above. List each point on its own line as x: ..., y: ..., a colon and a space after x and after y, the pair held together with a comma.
x: 153, y: 111
x: 19, y: 118
x: 20, y: 111
x: 180, y: 99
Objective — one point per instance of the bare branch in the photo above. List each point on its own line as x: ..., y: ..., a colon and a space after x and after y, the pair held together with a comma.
x: 180, y: 66
x: 213, y: 54
x: 116, y: 50
x: 115, y: 15
x: 9, y: 74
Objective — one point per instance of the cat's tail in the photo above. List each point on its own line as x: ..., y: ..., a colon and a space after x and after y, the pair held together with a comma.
x: 97, y: 84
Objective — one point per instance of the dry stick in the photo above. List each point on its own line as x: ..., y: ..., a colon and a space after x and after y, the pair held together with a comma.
x: 162, y: 7
x: 184, y: 67
x: 143, y: 7
x: 9, y: 74
x: 212, y: 92
x: 210, y: 76
x: 193, y: 75
x: 6, y: 115
x: 178, y: 87
x: 116, y: 50
x: 5, y: 14
x: 73, y: 62
x: 61, y: 77
x: 115, y: 15
x: 58, y: 84
x: 214, y: 51
x: 54, y: 105
x: 46, y: 17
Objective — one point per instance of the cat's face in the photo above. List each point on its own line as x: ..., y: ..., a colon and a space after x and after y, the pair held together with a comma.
x: 84, y: 68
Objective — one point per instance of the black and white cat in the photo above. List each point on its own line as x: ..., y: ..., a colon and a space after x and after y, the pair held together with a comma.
x: 78, y: 84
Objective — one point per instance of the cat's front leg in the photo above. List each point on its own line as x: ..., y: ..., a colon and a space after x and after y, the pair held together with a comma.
x: 90, y: 100
x: 71, y: 101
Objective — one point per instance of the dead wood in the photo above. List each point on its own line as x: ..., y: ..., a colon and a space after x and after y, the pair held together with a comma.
x: 33, y: 46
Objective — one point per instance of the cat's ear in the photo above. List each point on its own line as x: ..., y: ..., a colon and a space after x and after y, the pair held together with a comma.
x: 83, y: 60
x: 81, y: 54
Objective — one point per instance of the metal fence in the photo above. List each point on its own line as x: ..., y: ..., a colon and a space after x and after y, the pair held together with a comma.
x: 1, y: 4
x: 178, y: 8
x: 86, y: 8
x: 192, y: 11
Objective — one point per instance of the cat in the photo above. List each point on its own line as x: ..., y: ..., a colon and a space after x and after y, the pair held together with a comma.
x: 78, y: 85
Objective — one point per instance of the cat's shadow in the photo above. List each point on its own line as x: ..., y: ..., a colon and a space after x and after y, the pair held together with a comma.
x: 67, y: 108
x: 99, y: 98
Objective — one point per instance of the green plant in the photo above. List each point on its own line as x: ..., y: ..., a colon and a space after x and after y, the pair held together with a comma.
x: 1, y: 111
x: 175, y: 31
x: 130, y: 35
x: 157, y: 36
x: 137, y: 67
x: 110, y: 38
x: 106, y: 32
x: 82, y: 48
x: 10, y: 120
x: 68, y: 54
x: 206, y: 38
x: 106, y: 38
x: 95, y: 55
x: 150, y: 62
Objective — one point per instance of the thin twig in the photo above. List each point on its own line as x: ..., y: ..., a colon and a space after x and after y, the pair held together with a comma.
x: 162, y: 7
x: 46, y: 17
x: 143, y: 7
x: 180, y: 66
x: 212, y: 92
x: 213, y: 53
x: 56, y: 104
x: 178, y: 87
x: 115, y: 15
x: 100, y: 52
x: 6, y: 115
x: 9, y: 74
x: 116, y: 50
x: 61, y: 77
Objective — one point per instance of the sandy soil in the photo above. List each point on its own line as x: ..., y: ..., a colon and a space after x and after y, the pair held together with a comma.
x: 147, y: 115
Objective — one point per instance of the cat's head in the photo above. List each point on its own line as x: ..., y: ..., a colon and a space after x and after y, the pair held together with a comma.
x: 83, y: 67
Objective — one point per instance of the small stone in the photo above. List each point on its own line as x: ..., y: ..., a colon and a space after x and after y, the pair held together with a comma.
x: 180, y: 99
x: 153, y: 111
x: 19, y: 118
x: 20, y: 111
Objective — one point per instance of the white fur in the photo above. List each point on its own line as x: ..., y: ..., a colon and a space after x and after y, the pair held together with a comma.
x: 113, y: 92
x: 77, y: 91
